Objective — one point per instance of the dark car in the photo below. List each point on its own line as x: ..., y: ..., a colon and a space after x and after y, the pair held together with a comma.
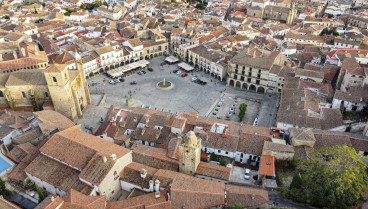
x: 163, y: 63
x: 144, y: 72
x: 139, y: 73
x: 175, y: 71
x: 133, y: 82
x: 150, y: 69
x: 197, y: 81
x: 203, y: 83
x: 121, y: 79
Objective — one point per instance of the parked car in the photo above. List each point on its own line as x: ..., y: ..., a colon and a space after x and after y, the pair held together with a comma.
x: 247, y: 174
x: 121, y: 79
x: 116, y: 80
x: 175, y: 71
x: 144, y: 72
x: 194, y: 79
x: 166, y: 54
x: 162, y: 63
x: 111, y: 82
x: 184, y: 75
x: 150, y: 69
x: 203, y: 83
x: 133, y: 82
x: 178, y: 72
x: 139, y: 73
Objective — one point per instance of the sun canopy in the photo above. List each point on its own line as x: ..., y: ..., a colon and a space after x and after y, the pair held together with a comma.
x: 171, y: 59
x: 117, y: 72
x: 185, y: 66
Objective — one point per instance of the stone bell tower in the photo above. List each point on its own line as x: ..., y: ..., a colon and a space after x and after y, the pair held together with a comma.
x: 189, y: 154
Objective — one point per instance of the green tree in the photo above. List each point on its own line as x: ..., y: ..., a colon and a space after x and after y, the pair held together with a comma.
x: 200, y: 6
x: 3, y: 190
x: 163, y: 21
x: 330, y: 15
x: 105, y: 3
x: 242, y: 108
x: 82, y: 6
x: 41, y: 196
x: 43, y: 4
x: 6, y: 17
x: 335, y: 178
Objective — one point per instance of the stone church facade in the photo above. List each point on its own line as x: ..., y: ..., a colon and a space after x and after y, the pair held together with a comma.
x: 55, y: 88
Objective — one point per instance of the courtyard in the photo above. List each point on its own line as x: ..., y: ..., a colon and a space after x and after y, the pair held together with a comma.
x: 184, y: 96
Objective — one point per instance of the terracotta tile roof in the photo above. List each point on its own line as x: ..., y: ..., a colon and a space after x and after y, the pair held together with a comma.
x: 50, y: 202
x: 267, y: 165
x: 143, y: 201
x: 21, y: 151
x: 77, y: 147
x: 154, y: 157
x: 75, y: 198
x: 277, y: 147
x: 166, y: 177
x: 55, y: 173
x: 28, y: 136
x: 245, y: 196
x: 214, y: 171
x: 5, y: 204
x: 50, y: 120
x: 191, y: 192
x: 132, y: 174
x: 26, y: 77
x: 330, y: 139
x: 303, y: 152
x: 252, y: 139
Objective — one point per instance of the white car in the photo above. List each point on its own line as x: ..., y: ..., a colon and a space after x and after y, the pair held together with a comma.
x: 247, y: 174
x: 111, y: 82
x: 178, y: 73
x: 194, y: 79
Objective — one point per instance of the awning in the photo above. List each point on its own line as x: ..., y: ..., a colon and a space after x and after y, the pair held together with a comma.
x: 267, y: 165
x: 117, y: 72
x: 171, y: 59
x: 185, y: 66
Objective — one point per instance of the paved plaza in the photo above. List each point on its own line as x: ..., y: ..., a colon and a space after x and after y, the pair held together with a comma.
x: 185, y: 96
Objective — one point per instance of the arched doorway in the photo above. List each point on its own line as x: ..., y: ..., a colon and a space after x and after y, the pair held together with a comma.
x: 252, y: 88
x: 245, y: 86
x: 238, y: 84
x: 261, y: 90
x: 231, y: 83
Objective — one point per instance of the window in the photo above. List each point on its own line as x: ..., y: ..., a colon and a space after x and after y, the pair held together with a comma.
x: 23, y: 94
x: 219, y: 151
x: 1, y: 94
x: 227, y: 152
x: 54, y: 79
x: 46, y: 94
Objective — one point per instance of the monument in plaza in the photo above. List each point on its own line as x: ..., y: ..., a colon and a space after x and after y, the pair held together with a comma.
x: 129, y: 99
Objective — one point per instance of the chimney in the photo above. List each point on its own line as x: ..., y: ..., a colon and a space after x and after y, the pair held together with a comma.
x: 143, y: 173
x: 104, y: 159
x: 113, y: 156
x: 15, y: 55
x: 151, y: 185
x: 157, y: 194
x: 157, y: 185
x: 52, y: 198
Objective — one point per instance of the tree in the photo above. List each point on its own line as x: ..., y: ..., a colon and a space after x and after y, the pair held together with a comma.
x: 105, y: 3
x: 242, y: 108
x: 200, y: 6
x: 43, y: 4
x: 3, y: 190
x: 335, y: 178
x: 163, y: 21
x: 6, y: 17
x: 41, y: 196
x: 82, y: 6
